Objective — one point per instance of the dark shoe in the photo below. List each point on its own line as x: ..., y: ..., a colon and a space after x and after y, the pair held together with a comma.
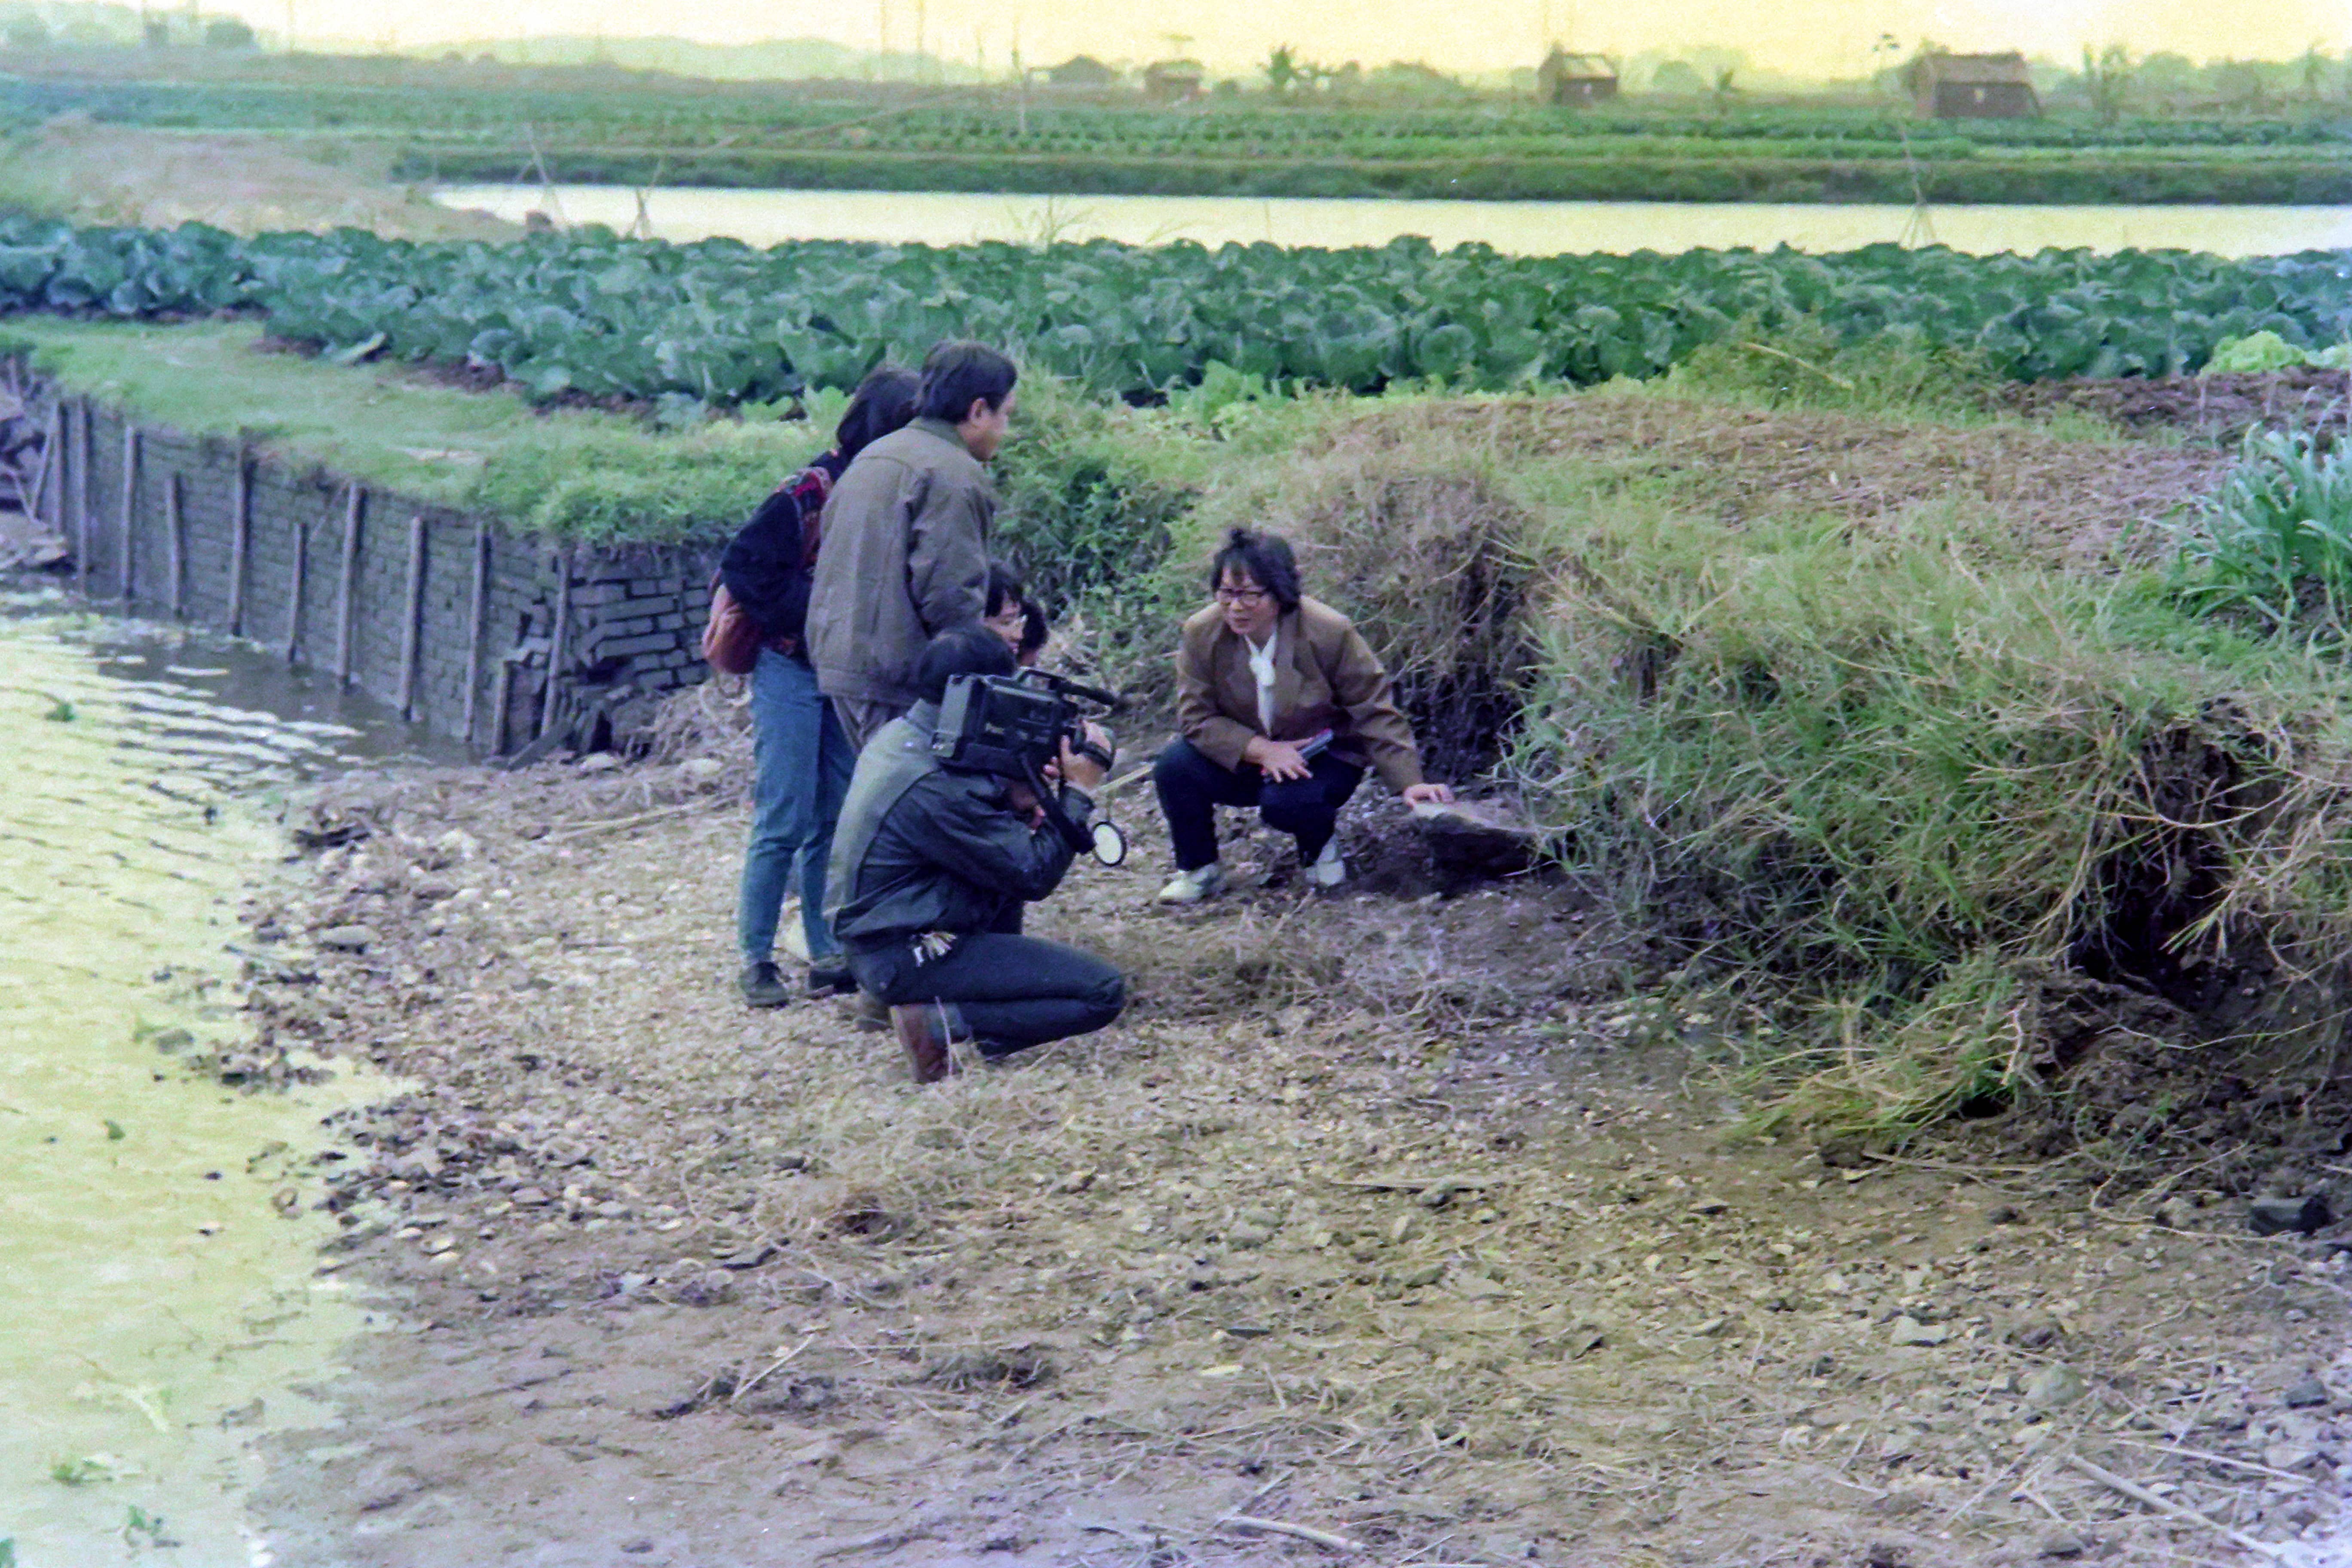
x: 928, y: 1031
x: 763, y: 987
x: 869, y: 1012
x: 831, y: 980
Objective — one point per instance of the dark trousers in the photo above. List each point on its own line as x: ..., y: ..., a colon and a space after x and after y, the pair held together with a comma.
x: 1014, y: 990
x: 1191, y: 787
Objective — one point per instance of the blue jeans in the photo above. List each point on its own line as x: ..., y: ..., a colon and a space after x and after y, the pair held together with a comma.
x: 801, y: 772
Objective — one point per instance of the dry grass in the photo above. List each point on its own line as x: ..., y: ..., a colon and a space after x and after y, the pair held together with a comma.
x: 95, y: 173
x: 2061, y: 499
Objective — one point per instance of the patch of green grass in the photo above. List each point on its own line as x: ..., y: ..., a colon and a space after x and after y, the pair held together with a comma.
x: 2274, y: 548
x: 1908, y: 773
x: 574, y: 474
x: 82, y: 1470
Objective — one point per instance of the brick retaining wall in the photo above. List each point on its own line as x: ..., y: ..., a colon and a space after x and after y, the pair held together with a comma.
x: 450, y: 613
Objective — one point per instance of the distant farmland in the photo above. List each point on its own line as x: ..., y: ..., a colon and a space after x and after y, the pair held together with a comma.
x: 488, y: 122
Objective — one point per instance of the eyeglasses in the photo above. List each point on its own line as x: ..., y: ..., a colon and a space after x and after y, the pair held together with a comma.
x: 1247, y: 598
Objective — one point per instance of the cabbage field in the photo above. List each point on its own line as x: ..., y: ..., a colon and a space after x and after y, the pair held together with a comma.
x: 720, y: 322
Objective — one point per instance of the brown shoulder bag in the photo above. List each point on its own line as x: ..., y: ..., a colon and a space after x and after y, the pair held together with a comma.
x: 730, y: 639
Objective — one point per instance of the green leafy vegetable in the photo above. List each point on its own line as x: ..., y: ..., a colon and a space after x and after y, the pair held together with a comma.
x: 718, y: 322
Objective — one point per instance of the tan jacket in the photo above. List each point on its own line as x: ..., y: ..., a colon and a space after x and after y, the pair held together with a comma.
x: 1326, y: 678
x: 903, y: 554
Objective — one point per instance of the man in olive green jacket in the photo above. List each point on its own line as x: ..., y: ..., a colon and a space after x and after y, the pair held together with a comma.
x: 905, y: 543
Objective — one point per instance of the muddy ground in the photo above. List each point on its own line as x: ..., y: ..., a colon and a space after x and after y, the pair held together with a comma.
x: 1416, y: 1231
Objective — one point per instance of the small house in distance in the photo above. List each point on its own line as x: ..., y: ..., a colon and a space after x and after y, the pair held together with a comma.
x: 1574, y: 80
x: 1974, y: 87
x: 1081, y: 71
x: 1173, y: 81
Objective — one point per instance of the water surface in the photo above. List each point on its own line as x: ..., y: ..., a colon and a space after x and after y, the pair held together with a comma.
x: 1532, y: 228
x: 159, y: 1311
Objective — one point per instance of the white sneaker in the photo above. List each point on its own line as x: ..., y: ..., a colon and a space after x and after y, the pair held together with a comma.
x: 1328, y: 870
x: 1192, y: 887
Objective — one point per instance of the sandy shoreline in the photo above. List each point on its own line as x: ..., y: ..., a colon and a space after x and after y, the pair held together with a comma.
x: 1389, y: 1221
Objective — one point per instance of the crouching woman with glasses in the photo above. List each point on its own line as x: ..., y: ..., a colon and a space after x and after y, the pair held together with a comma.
x: 1282, y: 706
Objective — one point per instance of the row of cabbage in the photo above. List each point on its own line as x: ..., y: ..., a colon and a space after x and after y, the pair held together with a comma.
x: 719, y: 320
x: 665, y: 112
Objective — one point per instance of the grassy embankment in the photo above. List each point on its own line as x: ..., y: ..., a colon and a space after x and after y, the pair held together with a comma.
x: 570, y: 473
x: 1633, y: 175
x: 1902, y: 716
x: 1843, y: 682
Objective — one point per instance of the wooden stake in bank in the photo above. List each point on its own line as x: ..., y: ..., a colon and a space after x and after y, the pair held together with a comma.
x: 412, y: 618
x: 85, y: 520
x: 240, y: 540
x: 129, y: 497
x: 347, y: 582
x: 555, y: 640
x: 175, y: 541
x: 480, y: 632
x: 49, y: 502
x: 294, y: 588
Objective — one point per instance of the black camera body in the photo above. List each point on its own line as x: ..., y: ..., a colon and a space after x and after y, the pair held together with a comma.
x: 1012, y: 726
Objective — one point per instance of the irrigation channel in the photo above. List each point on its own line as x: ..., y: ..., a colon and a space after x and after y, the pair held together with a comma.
x: 1533, y: 228
x: 157, y: 1267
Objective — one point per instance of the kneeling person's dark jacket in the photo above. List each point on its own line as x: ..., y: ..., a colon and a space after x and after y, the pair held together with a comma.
x: 931, y: 869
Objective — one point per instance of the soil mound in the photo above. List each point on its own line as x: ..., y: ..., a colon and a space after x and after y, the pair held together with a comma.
x: 2217, y: 408
x: 2063, y: 497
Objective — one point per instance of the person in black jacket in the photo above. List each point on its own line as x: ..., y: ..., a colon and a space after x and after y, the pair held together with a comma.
x: 802, y: 758
x: 932, y: 868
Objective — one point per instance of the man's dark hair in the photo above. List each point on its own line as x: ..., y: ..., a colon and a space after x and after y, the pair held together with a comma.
x: 1005, y: 589
x: 883, y: 401
x: 967, y: 649
x: 956, y: 373
x: 1035, y: 628
x: 1265, y: 557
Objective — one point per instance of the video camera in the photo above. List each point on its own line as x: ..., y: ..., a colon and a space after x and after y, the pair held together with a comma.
x: 1012, y: 726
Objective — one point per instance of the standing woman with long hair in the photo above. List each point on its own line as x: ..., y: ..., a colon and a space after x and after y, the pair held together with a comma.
x: 803, y: 758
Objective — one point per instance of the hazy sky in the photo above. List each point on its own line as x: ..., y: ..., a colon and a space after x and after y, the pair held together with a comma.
x: 1816, y: 37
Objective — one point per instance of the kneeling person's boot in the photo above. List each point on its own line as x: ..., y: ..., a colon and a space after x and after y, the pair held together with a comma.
x: 928, y: 1032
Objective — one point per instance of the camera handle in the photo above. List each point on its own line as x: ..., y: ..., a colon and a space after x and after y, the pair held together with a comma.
x: 1049, y: 796
x: 1103, y: 839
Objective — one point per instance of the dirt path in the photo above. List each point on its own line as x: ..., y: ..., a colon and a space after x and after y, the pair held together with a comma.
x: 1390, y: 1224
x: 106, y: 173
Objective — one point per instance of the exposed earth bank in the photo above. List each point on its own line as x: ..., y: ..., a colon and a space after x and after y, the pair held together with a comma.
x: 1415, y: 1229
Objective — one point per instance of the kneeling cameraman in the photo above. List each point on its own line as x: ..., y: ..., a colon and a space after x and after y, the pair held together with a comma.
x: 931, y: 869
